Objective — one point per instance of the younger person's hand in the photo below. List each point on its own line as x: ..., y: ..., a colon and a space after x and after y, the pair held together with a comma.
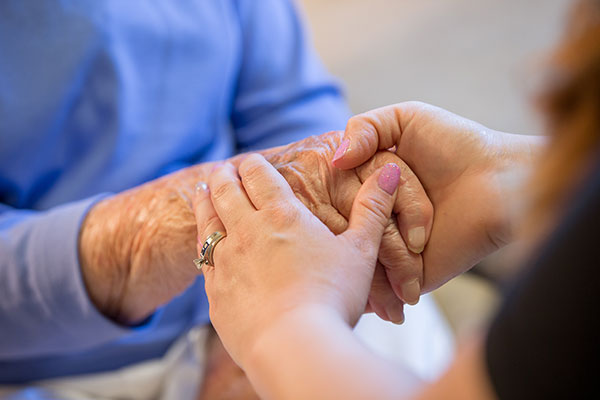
x: 471, y: 174
x: 278, y: 257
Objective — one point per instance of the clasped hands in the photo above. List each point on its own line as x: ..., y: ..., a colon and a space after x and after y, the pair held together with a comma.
x: 136, y: 247
x: 279, y: 259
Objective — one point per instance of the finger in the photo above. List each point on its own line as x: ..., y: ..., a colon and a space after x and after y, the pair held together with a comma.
x: 412, y: 206
x: 414, y: 212
x: 228, y: 196
x: 207, y: 222
x: 372, y: 208
x: 263, y: 184
x: 371, y: 131
x: 403, y: 268
x: 382, y: 300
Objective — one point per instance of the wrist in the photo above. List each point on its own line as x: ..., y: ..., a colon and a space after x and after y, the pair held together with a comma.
x: 124, y: 237
x: 315, y: 343
x: 511, y: 170
x: 101, y: 269
x: 277, y: 335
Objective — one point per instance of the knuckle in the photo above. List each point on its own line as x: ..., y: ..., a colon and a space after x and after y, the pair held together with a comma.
x: 252, y: 166
x: 413, y: 203
x: 394, y: 253
x: 222, y: 190
x: 311, y: 190
x: 391, y: 232
x: 421, y: 210
x: 379, y: 159
x: 383, y: 157
x: 427, y: 210
x: 356, y: 122
x: 210, y: 224
x: 375, y: 207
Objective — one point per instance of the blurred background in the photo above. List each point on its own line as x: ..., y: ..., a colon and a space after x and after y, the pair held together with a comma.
x: 476, y: 58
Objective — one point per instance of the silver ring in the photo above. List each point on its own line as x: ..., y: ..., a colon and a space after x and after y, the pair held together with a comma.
x: 208, y: 249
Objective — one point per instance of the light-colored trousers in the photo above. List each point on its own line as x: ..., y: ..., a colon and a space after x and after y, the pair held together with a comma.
x: 423, y: 344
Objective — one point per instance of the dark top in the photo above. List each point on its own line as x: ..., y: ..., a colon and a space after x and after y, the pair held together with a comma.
x: 544, y: 342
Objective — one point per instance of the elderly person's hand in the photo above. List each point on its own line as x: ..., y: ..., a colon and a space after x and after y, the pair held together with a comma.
x: 136, y: 247
x: 468, y: 171
x: 328, y: 192
x: 278, y: 257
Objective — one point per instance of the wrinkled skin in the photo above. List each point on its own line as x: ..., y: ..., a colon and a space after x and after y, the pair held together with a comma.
x: 328, y: 192
x: 136, y: 247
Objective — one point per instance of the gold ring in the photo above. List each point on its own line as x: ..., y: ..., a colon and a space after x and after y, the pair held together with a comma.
x: 208, y: 248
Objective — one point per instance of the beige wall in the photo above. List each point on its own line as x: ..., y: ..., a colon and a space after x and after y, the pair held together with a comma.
x: 470, y: 56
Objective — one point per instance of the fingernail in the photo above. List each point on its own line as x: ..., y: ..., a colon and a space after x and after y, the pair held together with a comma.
x: 416, y: 239
x: 341, y: 150
x: 411, y: 292
x: 399, y: 320
x: 201, y: 187
x: 389, y: 178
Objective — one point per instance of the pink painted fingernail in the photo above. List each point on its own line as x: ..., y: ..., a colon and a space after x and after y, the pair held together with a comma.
x: 389, y: 178
x: 341, y: 150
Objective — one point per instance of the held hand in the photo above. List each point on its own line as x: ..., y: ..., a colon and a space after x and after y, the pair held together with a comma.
x: 466, y: 169
x: 135, y: 247
x: 328, y: 192
x: 278, y: 256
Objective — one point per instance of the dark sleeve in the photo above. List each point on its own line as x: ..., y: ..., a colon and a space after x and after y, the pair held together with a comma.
x: 544, y: 344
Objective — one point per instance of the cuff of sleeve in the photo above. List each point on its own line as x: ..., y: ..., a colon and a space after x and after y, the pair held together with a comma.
x: 78, y: 322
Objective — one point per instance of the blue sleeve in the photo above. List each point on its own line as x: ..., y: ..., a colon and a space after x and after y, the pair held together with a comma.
x: 44, y: 306
x: 284, y: 93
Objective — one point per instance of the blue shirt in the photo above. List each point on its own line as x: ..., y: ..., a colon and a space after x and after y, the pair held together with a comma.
x: 99, y: 96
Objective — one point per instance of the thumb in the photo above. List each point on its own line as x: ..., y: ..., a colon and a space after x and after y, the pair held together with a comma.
x: 374, y: 130
x: 372, y: 208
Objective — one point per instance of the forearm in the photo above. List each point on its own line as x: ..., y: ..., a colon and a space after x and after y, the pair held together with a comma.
x: 312, y: 353
x: 151, y: 224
